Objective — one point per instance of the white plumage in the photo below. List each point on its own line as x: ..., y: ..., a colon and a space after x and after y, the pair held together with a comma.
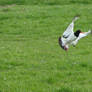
x: 70, y: 37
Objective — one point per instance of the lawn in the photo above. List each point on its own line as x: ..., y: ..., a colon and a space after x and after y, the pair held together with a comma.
x: 31, y: 59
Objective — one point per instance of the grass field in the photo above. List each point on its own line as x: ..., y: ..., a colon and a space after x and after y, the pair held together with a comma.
x: 30, y: 57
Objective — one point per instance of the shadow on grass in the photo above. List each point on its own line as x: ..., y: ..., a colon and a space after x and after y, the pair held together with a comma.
x: 64, y: 89
x: 79, y: 2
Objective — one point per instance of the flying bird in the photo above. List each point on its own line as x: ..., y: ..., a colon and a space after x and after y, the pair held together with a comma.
x: 70, y: 37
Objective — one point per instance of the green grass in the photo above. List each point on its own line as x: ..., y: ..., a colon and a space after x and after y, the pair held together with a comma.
x: 30, y: 57
x: 44, y: 2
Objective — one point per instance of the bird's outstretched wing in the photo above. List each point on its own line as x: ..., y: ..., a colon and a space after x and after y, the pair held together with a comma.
x: 69, y: 29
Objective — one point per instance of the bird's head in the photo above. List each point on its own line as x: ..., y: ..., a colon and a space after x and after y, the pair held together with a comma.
x: 77, y: 33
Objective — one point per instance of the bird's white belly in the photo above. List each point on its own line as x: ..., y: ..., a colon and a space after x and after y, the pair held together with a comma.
x: 71, y: 39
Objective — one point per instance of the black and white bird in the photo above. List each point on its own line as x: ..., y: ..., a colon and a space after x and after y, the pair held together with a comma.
x: 70, y: 37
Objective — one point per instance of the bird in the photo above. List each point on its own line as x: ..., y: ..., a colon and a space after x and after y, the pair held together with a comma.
x: 69, y: 37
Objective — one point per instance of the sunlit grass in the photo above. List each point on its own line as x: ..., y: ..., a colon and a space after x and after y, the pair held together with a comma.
x: 30, y: 57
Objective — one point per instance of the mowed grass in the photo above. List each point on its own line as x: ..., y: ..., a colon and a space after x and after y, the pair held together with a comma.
x: 30, y: 57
